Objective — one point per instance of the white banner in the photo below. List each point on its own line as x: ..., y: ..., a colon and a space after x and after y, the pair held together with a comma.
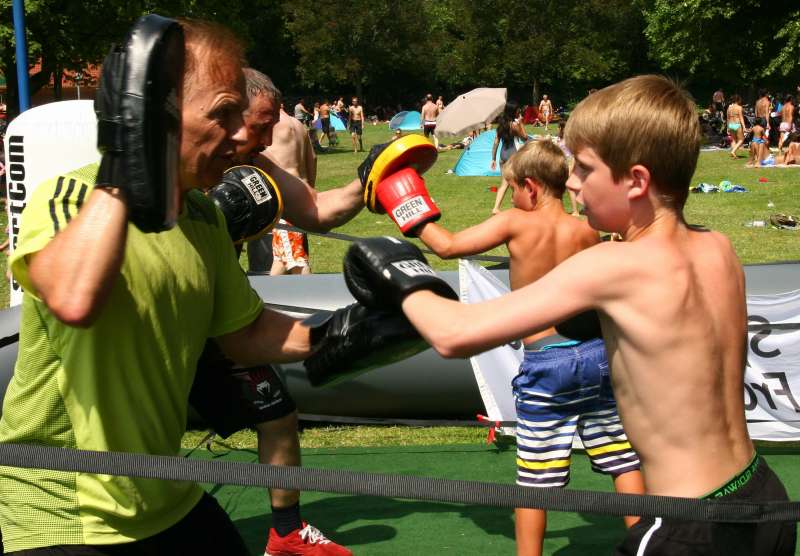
x: 772, y: 375
x: 41, y: 143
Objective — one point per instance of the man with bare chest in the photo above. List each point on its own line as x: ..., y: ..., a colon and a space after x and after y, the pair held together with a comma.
x: 356, y: 124
x: 429, y: 113
x: 787, y: 122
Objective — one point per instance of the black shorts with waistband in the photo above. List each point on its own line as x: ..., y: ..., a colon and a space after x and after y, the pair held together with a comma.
x: 355, y: 127
x: 670, y: 537
x: 229, y: 399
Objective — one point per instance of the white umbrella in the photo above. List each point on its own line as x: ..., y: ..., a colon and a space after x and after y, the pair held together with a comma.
x: 470, y: 111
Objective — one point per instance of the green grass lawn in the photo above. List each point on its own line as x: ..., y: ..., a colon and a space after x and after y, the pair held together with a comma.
x: 465, y: 201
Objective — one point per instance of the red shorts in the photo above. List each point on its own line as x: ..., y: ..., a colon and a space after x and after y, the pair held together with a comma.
x: 289, y: 248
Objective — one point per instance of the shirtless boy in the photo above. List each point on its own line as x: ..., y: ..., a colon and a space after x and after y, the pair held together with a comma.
x: 671, y: 302
x: 539, y: 235
x: 429, y: 113
x: 787, y: 122
x: 356, y: 123
x: 546, y: 111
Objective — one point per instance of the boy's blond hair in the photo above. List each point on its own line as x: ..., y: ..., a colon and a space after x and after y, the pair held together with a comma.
x: 648, y: 120
x: 541, y: 161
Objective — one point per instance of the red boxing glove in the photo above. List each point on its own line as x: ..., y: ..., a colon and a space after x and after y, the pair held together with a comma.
x: 404, y: 196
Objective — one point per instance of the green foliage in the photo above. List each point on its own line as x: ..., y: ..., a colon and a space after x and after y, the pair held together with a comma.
x: 732, y: 41
x: 787, y: 61
x: 357, y: 42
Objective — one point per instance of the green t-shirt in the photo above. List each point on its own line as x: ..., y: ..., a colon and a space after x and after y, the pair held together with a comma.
x: 121, y: 384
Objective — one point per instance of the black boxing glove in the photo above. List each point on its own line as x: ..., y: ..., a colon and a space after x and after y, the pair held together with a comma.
x: 250, y: 200
x: 381, y: 271
x: 139, y: 121
x: 355, y: 339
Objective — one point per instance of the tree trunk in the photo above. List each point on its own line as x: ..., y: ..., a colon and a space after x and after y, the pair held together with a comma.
x: 57, y: 73
x: 12, y: 96
x: 360, y: 92
x: 535, y: 91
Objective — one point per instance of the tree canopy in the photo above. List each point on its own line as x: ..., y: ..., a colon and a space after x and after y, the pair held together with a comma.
x: 394, y: 52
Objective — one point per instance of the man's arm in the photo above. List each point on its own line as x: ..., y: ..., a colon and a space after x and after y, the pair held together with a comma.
x: 75, y: 272
x: 309, y: 209
x: 461, y: 330
x: 470, y: 241
x: 271, y: 338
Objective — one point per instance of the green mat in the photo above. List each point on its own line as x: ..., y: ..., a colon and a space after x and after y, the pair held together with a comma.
x: 381, y: 526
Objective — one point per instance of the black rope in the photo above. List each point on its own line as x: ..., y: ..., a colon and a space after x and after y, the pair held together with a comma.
x: 347, y: 237
x: 176, y: 468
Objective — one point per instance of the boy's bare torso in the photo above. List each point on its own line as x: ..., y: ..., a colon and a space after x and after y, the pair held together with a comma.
x: 674, y: 322
x: 539, y: 241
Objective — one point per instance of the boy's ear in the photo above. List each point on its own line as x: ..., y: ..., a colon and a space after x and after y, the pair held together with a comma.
x: 639, y: 177
x: 533, y: 189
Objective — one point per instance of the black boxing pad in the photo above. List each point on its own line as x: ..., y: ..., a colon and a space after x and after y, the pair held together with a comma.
x: 139, y: 121
x: 355, y: 339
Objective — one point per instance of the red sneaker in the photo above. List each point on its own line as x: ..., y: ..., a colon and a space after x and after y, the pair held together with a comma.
x: 306, y: 541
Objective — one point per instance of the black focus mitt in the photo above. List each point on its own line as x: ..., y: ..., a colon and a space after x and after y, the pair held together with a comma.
x: 139, y: 121
x: 355, y: 339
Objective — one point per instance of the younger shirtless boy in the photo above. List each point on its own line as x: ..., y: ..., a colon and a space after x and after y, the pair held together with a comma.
x: 671, y: 301
x: 563, y: 385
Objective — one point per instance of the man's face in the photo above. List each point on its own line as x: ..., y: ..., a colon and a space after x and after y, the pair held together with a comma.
x: 604, y: 200
x: 260, y: 118
x: 213, y: 129
x: 355, y: 102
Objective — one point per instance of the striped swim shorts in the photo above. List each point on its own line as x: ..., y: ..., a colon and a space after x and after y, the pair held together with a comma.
x: 561, y: 390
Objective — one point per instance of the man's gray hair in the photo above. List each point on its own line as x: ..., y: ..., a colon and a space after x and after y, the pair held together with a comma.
x: 259, y: 84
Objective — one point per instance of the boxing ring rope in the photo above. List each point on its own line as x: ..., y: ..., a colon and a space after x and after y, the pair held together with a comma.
x: 176, y: 468
x: 349, y: 238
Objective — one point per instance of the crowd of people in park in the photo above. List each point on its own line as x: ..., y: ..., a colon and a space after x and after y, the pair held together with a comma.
x: 771, y: 126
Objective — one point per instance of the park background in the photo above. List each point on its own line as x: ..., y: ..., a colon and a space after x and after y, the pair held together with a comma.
x: 392, y: 53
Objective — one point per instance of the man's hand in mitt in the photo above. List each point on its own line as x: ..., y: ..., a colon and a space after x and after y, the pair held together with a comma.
x: 356, y: 339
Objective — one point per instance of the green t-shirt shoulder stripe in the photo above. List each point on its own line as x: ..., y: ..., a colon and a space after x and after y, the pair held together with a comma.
x: 121, y: 384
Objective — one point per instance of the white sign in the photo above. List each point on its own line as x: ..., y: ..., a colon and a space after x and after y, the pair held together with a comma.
x: 41, y: 143
x: 772, y: 374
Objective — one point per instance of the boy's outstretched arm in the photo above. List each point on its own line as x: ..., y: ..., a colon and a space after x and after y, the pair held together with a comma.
x: 470, y: 241
x: 460, y: 330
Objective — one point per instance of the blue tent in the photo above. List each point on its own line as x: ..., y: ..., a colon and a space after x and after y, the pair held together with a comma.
x: 406, y: 121
x: 476, y: 158
x: 336, y: 123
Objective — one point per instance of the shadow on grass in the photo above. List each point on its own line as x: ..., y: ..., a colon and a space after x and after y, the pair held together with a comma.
x: 334, y: 514
x: 343, y: 518
x: 598, y: 536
